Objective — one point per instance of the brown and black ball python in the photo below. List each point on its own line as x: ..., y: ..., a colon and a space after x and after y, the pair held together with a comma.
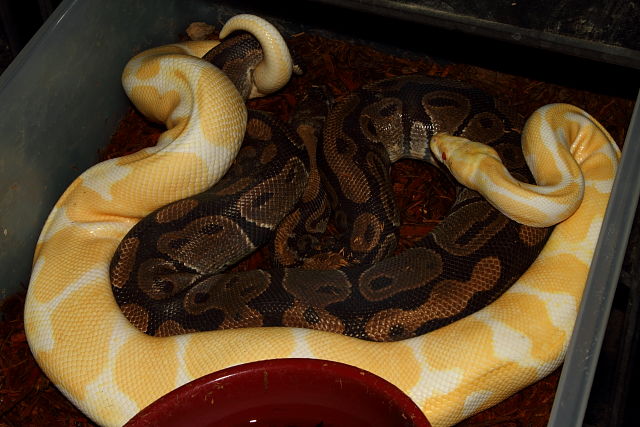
x: 166, y: 274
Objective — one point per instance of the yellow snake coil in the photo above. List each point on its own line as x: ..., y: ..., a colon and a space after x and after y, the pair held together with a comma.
x: 111, y: 370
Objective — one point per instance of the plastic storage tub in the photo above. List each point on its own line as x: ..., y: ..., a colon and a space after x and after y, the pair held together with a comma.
x: 61, y: 99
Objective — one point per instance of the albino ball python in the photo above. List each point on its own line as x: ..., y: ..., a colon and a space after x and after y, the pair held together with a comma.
x: 111, y: 370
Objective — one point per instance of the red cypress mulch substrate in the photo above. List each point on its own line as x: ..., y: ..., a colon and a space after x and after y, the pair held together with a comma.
x: 28, y: 398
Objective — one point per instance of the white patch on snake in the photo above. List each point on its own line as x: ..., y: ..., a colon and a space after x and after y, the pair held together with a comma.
x: 57, y: 221
x: 534, y: 198
x: 302, y: 347
x: 40, y: 313
x: 562, y: 311
x: 165, y: 78
x: 53, y: 224
x: 435, y: 383
x: 508, y: 344
x: 183, y: 376
x: 546, y: 133
x: 563, y: 243
x: 544, y: 368
x: 216, y: 157
x: 207, y: 169
x: 561, y: 308
x: 103, y: 186
x: 605, y: 184
x: 41, y: 316
x: 475, y: 402
x: 108, y: 229
x: 104, y: 388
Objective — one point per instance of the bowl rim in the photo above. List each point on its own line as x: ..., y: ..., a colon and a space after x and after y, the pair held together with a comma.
x: 163, y: 405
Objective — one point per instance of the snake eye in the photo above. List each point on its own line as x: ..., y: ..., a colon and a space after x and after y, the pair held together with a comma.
x: 444, y: 156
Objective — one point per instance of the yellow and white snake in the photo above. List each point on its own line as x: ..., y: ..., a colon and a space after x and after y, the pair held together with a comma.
x: 111, y: 370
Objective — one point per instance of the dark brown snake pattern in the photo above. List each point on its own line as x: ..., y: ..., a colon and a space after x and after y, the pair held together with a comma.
x: 167, y: 272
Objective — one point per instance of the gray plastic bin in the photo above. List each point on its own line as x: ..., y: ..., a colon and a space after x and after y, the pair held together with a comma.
x: 61, y: 100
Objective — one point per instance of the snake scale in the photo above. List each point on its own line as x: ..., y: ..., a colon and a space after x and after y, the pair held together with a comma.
x: 109, y: 369
x: 164, y: 272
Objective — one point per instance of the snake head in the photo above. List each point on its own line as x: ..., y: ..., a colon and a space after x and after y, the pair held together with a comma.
x: 466, y: 160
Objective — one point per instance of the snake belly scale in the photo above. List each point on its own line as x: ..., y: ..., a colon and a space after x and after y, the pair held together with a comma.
x: 109, y: 369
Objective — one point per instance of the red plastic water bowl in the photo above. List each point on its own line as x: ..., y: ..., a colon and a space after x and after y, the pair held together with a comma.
x: 285, y: 393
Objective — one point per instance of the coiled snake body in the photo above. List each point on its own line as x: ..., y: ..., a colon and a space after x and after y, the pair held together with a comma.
x: 110, y: 370
x: 163, y: 273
